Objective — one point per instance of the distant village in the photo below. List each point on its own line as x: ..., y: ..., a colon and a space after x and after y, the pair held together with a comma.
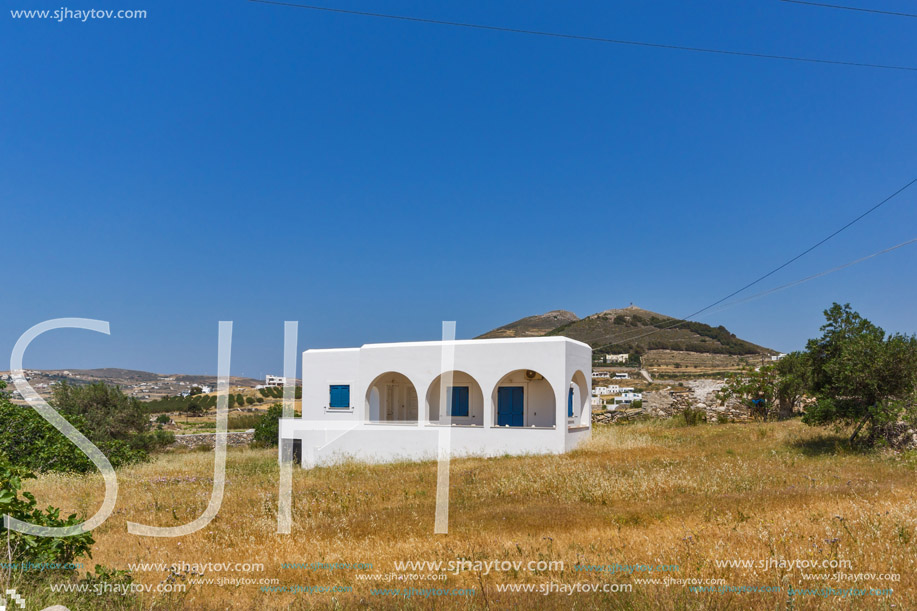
x: 607, y: 395
x: 152, y: 386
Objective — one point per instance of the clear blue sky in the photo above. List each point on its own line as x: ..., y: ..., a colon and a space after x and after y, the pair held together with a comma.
x: 370, y: 178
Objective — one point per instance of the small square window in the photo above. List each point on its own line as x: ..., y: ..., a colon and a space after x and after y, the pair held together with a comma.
x: 340, y: 396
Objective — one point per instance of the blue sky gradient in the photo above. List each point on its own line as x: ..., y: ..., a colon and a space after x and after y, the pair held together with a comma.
x: 371, y: 178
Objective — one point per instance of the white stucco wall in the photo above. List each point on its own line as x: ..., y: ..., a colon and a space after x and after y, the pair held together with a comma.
x: 483, y: 365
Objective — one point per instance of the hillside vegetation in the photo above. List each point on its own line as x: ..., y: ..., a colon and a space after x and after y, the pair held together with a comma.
x: 533, y: 326
x: 634, y: 330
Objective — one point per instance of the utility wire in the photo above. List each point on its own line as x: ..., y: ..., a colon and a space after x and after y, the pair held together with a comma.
x: 679, y: 322
x: 615, y: 41
x: 850, y: 8
x: 812, y: 277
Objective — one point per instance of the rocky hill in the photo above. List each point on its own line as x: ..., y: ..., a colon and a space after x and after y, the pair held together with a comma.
x: 632, y: 329
x: 533, y: 326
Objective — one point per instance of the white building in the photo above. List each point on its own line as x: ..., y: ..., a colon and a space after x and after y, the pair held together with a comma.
x: 616, y: 358
x: 601, y: 391
x: 628, y: 397
x: 391, y: 401
x: 270, y: 380
x: 621, y: 376
x: 600, y: 374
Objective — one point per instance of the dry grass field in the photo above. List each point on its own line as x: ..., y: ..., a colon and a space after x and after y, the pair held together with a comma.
x: 646, y: 494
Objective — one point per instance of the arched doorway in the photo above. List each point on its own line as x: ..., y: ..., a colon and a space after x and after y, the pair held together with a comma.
x: 464, y: 400
x: 524, y: 398
x: 578, y: 399
x: 392, y: 398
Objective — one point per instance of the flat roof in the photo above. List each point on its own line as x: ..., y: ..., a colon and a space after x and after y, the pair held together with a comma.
x: 460, y: 342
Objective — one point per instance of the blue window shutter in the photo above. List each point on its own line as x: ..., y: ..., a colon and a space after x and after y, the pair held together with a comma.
x: 459, y: 403
x: 340, y: 396
x: 570, y: 404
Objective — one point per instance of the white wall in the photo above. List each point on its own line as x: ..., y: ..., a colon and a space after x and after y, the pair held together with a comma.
x: 322, y: 368
x: 487, y: 362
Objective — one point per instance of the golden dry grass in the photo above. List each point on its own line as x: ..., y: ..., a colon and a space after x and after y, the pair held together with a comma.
x: 640, y: 494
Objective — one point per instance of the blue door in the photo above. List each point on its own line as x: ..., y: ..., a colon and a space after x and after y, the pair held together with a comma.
x: 570, y: 404
x: 459, y: 402
x: 510, y: 406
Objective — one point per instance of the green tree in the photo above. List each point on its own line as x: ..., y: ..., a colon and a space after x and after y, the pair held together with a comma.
x: 29, y: 441
x: 755, y: 389
x: 267, y: 428
x: 109, y: 413
x: 860, y: 376
x: 794, y: 379
x: 775, y: 388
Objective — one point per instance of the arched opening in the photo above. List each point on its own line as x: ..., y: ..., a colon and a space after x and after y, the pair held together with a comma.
x: 524, y: 398
x: 578, y: 399
x: 462, y: 403
x: 392, y: 398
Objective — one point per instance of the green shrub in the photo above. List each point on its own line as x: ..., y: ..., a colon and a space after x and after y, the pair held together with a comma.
x: 693, y: 417
x: 29, y: 441
x: 153, y: 440
x: 163, y: 419
x: 243, y: 421
x: 107, y: 411
x: 28, y: 548
x: 267, y: 428
x: 249, y: 400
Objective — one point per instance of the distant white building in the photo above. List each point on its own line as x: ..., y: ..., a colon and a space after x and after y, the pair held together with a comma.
x: 601, y: 391
x: 616, y: 358
x: 384, y: 402
x: 628, y: 398
x: 596, y: 375
x: 778, y: 356
x: 620, y: 375
x: 270, y: 380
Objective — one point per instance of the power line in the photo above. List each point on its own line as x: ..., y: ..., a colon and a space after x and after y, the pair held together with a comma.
x: 615, y: 41
x: 850, y: 8
x: 814, y: 276
x: 773, y: 271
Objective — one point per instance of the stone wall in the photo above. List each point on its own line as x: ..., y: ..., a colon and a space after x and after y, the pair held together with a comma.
x: 699, y: 394
x: 209, y: 439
